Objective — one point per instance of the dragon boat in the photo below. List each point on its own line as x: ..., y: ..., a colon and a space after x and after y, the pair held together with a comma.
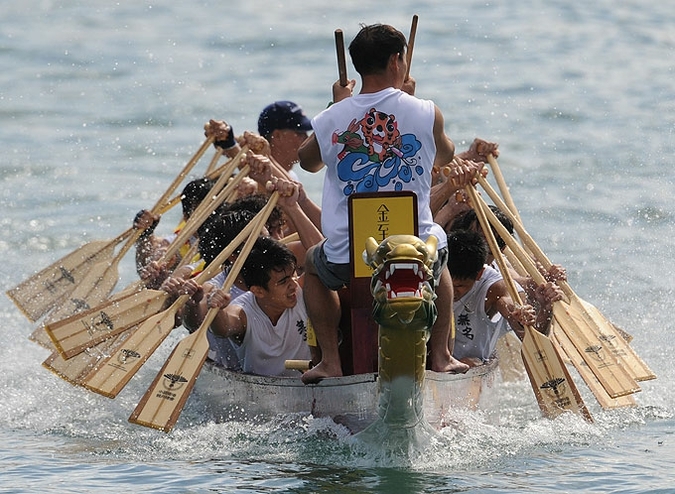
x: 383, y: 349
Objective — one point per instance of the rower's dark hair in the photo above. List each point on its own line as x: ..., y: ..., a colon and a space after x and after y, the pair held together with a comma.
x: 469, y: 220
x: 194, y: 193
x: 372, y: 47
x: 254, y: 203
x: 467, y: 253
x: 219, y: 230
x: 266, y: 256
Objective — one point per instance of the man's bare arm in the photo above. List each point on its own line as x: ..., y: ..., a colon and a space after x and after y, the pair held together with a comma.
x: 310, y: 155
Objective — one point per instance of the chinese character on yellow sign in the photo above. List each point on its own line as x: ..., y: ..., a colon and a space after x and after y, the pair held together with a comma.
x: 379, y: 216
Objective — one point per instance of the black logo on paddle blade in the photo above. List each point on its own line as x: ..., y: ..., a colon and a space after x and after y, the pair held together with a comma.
x: 126, y: 356
x: 174, y: 381
x: 558, y: 388
x: 66, y: 275
x: 610, y: 339
x: 101, y: 323
x: 554, y: 385
x: 594, y: 350
x: 79, y: 304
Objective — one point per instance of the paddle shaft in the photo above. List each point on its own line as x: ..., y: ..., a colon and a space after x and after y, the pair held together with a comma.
x: 503, y: 188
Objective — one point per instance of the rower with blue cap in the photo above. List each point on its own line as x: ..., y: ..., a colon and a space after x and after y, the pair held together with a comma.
x: 285, y: 126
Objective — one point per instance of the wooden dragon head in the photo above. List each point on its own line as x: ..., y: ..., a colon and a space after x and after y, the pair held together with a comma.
x: 402, y: 281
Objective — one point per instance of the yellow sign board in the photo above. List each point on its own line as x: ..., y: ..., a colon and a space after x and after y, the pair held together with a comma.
x: 378, y: 215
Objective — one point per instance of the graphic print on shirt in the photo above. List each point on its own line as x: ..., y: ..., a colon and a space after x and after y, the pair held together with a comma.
x: 464, y: 325
x: 301, y: 328
x: 376, y: 155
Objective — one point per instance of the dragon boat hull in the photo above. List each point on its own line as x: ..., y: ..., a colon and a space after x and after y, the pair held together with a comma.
x: 350, y: 400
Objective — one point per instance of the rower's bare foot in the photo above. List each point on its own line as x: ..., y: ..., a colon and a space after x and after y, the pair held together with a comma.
x: 319, y: 372
x: 453, y: 366
x: 472, y: 362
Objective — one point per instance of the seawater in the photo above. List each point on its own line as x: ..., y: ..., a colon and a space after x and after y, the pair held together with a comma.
x: 102, y: 102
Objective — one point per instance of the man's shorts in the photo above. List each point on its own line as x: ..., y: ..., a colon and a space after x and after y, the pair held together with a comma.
x: 335, y: 276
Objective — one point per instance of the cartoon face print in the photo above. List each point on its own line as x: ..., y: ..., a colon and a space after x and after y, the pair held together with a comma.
x: 380, y: 132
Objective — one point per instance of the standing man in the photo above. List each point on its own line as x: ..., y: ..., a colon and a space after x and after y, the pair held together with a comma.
x: 381, y: 139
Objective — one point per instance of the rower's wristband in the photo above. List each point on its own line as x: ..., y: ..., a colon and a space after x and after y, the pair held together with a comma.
x: 227, y: 143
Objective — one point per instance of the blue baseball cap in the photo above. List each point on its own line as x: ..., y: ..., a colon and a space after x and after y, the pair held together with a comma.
x: 282, y: 115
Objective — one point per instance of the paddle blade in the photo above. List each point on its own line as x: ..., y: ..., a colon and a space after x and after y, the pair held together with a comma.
x: 40, y: 336
x: 113, y: 373
x: 163, y: 402
x: 47, y: 289
x: 605, y: 401
x: 613, y: 376
x: 553, y: 387
x: 604, y: 333
x: 74, y: 370
x: 93, y: 290
x: 85, y: 329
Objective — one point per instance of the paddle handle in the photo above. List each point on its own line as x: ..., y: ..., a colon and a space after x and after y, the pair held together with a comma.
x: 215, y: 174
x: 411, y: 44
x: 341, y: 61
x: 301, y: 365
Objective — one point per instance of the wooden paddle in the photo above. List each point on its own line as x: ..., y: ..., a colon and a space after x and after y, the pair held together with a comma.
x: 85, y: 295
x: 164, y: 400
x: 78, y: 367
x: 75, y: 369
x: 74, y: 334
x: 411, y: 44
x: 592, y: 338
x: 610, y: 372
x: 46, y: 289
x: 553, y: 387
x: 103, y: 276
x: 341, y: 61
x: 111, y: 375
